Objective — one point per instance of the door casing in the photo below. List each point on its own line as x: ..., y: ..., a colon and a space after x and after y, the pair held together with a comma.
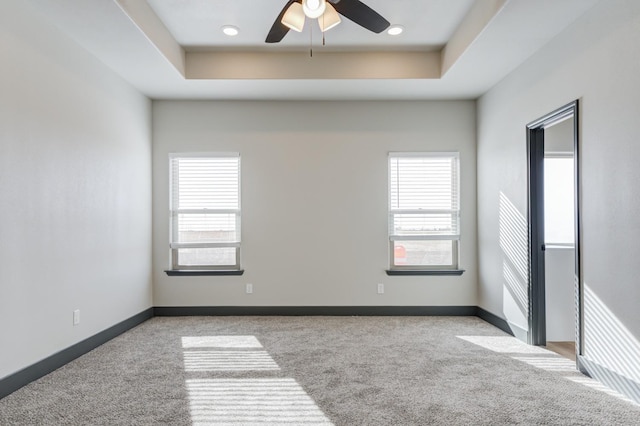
x: 535, y: 195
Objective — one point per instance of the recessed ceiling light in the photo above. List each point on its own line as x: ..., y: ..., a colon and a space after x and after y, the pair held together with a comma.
x: 230, y: 30
x: 395, y: 30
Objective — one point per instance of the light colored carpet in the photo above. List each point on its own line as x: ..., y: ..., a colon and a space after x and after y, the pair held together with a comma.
x: 316, y: 371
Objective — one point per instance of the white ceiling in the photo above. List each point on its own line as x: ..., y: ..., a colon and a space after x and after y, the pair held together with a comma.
x: 197, y: 23
x: 174, y: 49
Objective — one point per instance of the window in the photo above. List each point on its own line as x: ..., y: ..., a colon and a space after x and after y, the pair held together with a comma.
x: 205, y: 211
x: 424, y: 210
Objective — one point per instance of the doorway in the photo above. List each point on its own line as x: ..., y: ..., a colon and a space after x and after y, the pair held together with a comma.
x: 555, y: 288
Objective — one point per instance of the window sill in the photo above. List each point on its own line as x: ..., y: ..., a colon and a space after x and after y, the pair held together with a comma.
x: 425, y: 272
x: 196, y: 273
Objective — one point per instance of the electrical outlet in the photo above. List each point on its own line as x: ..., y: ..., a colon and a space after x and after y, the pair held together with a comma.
x: 249, y: 288
x: 380, y: 288
x: 76, y: 317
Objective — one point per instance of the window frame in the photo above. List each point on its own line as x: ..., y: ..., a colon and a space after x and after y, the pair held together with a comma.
x: 414, y: 269
x: 175, y: 246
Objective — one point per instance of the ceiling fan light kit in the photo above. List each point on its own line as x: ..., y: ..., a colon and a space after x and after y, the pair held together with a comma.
x: 329, y: 19
x: 314, y: 8
x: 294, y: 17
x: 327, y: 12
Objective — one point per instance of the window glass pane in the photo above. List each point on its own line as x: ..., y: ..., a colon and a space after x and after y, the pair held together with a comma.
x: 425, y: 224
x: 207, y: 228
x: 558, y: 201
x: 423, y: 253
x: 218, y: 256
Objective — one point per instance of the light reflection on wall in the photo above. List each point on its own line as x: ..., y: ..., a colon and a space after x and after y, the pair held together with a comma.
x: 608, y: 343
x: 515, y: 286
x: 246, y: 400
x: 513, y: 238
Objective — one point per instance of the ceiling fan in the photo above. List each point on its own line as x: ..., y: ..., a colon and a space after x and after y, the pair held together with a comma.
x: 328, y: 12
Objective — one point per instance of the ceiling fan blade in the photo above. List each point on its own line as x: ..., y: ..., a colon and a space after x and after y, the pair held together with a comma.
x: 279, y: 30
x: 361, y: 14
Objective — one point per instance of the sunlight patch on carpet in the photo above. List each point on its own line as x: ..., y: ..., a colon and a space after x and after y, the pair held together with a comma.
x: 554, y: 363
x: 229, y: 361
x: 504, y: 344
x: 233, y: 342
x: 540, y: 358
x: 265, y: 401
x: 250, y: 400
x: 594, y: 384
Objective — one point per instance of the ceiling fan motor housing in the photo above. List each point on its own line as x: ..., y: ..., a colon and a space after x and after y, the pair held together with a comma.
x: 314, y: 8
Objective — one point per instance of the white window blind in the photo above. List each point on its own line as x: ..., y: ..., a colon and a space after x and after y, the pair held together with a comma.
x: 205, y: 210
x: 424, y: 205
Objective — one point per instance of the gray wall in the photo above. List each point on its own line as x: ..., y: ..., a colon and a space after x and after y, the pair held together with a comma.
x: 596, y: 61
x: 560, y: 294
x: 559, y: 137
x: 75, y: 184
x: 314, y: 199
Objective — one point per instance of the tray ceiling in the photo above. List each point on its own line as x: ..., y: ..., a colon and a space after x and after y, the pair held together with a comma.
x: 175, y: 49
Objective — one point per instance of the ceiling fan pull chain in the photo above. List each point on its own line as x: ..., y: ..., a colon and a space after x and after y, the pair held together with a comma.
x: 324, y: 43
x: 310, y: 41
